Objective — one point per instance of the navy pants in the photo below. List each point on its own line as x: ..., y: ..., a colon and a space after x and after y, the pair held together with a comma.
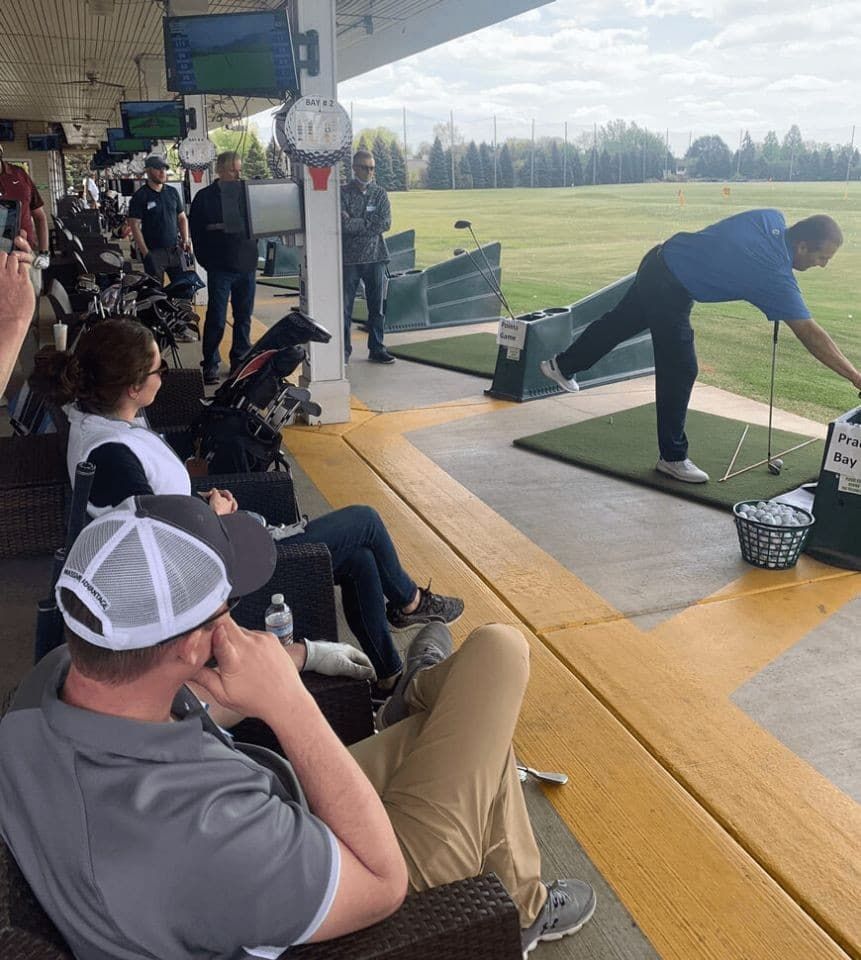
x: 658, y: 302
x: 373, y: 275
x: 366, y: 567
x: 238, y: 288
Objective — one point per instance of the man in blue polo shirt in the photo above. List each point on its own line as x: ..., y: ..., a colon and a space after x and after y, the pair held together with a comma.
x: 751, y: 257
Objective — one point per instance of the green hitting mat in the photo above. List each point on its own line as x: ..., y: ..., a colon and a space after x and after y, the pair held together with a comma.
x: 291, y: 283
x: 625, y: 445
x: 473, y: 353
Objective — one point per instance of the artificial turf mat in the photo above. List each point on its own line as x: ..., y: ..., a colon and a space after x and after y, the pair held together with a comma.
x: 291, y: 283
x: 473, y: 353
x: 624, y: 444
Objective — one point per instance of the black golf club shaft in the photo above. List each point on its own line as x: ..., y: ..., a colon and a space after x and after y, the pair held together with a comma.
x: 497, y: 287
x: 771, y: 391
x: 489, y: 281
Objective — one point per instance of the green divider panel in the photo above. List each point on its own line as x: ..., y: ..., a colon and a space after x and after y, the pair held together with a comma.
x: 281, y: 260
x: 402, y: 251
x: 446, y: 294
x: 836, y: 536
x: 551, y: 330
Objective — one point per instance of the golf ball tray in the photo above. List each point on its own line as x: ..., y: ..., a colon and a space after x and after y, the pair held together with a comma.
x: 771, y: 534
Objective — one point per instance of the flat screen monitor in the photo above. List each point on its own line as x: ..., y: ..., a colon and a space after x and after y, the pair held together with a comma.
x: 118, y: 142
x: 274, y: 207
x: 7, y: 130
x: 153, y: 119
x: 43, y: 141
x: 244, y: 54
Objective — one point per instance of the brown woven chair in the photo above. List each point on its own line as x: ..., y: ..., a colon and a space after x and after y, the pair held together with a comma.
x: 33, y: 486
x: 468, y: 920
x: 177, y: 404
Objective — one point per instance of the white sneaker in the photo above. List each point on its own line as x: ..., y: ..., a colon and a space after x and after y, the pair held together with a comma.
x: 685, y: 470
x: 551, y: 370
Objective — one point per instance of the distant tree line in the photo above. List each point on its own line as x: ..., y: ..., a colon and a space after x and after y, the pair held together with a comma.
x: 618, y: 152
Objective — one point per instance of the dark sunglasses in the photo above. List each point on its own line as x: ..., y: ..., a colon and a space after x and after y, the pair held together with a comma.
x: 364, y: 166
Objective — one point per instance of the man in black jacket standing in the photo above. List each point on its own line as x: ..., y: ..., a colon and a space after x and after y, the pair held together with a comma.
x: 365, y: 216
x: 230, y: 261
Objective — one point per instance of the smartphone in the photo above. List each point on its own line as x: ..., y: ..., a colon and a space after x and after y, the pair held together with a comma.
x: 10, y: 224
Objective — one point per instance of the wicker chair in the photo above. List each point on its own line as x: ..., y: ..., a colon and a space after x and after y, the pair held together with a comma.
x: 177, y: 404
x: 468, y: 920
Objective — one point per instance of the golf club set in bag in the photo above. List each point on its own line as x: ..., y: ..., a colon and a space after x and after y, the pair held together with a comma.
x: 239, y: 429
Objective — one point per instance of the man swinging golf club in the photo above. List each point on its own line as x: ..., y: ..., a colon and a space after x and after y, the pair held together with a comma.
x: 750, y: 256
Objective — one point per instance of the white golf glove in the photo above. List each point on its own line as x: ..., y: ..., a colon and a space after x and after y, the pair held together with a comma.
x: 337, y: 660
x: 41, y: 261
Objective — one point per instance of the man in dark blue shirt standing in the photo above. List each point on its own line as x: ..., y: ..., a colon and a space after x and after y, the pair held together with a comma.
x: 750, y: 256
x: 365, y: 216
x: 158, y: 223
x: 230, y: 261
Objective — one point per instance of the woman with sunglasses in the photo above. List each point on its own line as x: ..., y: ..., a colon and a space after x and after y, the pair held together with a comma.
x: 114, y: 374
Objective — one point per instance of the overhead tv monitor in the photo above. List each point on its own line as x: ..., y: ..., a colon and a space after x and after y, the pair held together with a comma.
x: 43, y: 141
x: 7, y: 130
x: 243, y: 54
x: 118, y: 142
x: 153, y: 119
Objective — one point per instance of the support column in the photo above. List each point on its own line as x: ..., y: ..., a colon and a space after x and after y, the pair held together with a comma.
x: 320, y: 286
x: 198, y: 132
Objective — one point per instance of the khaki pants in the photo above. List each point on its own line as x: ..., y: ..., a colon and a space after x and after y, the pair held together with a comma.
x: 447, y: 776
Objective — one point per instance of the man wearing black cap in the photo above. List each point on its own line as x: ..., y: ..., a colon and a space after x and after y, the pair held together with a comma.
x: 158, y: 223
x: 169, y: 841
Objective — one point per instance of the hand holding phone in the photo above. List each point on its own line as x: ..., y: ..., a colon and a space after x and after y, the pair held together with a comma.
x: 10, y: 224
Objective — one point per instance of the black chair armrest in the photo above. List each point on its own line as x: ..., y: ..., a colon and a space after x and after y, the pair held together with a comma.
x: 270, y: 494
x: 468, y: 920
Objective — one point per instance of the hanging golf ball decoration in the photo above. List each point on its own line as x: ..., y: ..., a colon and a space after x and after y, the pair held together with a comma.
x: 195, y: 155
x: 317, y: 132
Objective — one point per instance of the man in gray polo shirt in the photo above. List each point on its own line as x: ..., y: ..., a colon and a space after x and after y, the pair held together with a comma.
x: 144, y: 833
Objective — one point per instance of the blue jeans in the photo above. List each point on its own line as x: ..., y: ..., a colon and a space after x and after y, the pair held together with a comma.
x: 224, y: 285
x: 657, y: 301
x: 366, y: 566
x: 373, y: 275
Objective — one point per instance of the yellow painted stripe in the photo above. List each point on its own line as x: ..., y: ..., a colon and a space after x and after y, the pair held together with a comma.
x: 691, y: 887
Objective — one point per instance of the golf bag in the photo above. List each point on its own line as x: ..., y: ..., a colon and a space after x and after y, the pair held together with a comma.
x: 239, y: 431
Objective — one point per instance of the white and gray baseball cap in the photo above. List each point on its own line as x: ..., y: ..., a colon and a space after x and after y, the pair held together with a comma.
x: 160, y: 566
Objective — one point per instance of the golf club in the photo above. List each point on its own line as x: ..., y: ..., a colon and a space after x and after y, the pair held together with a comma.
x: 776, y: 465
x: 759, y: 463
x: 735, y: 455
x: 467, y: 225
x: 459, y: 252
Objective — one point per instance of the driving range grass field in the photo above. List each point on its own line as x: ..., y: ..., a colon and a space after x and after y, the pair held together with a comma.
x: 560, y: 244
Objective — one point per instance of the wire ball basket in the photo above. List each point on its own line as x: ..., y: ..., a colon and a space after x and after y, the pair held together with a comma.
x: 769, y: 543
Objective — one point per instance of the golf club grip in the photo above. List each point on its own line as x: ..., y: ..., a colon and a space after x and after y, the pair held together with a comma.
x: 84, y: 473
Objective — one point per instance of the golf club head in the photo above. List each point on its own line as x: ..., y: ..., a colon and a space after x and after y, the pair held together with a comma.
x: 462, y: 224
x: 775, y: 466
x: 459, y: 251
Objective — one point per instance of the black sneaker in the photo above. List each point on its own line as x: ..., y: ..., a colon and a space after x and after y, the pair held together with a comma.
x: 569, y: 905
x: 210, y: 376
x: 430, y: 646
x: 381, y: 356
x: 432, y: 608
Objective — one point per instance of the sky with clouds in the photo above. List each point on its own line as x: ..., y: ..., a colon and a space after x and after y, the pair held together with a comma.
x: 692, y: 67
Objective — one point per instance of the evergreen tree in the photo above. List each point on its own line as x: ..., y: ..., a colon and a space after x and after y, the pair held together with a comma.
x: 275, y: 160
x: 438, y: 170
x: 542, y: 167
x: 606, y: 168
x: 770, y: 147
x: 382, y: 159
x: 828, y: 170
x: 485, y: 153
x: 463, y: 172
x: 473, y: 162
x: 574, y: 168
x: 746, y: 156
x: 505, y: 176
x: 254, y: 165
x: 709, y: 157
x: 555, y: 165
x: 398, y: 164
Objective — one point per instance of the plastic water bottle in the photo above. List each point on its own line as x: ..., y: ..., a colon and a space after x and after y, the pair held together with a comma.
x: 279, y: 619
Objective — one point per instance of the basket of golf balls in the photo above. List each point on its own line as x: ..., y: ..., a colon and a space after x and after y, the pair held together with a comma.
x: 771, y: 534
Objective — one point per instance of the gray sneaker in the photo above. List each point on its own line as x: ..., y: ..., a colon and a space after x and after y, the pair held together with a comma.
x: 430, y: 646
x: 569, y: 905
x: 550, y: 369
x: 432, y: 608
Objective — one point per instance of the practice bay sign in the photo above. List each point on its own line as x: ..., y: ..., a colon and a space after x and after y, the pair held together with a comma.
x: 844, y: 451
